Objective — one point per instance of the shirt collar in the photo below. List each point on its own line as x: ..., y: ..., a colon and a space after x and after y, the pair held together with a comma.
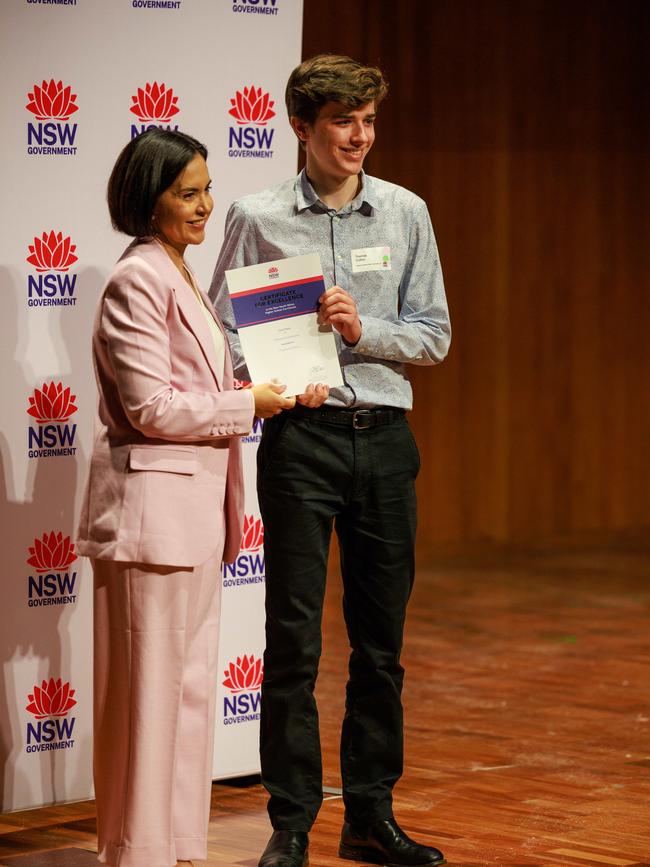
x: 306, y: 196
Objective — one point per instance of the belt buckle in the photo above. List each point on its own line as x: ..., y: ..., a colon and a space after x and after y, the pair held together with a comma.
x: 361, y: 419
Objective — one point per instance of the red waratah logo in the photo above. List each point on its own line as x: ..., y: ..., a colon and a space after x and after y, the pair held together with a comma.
x: 252, y: 106
x: 252, y: 536
x: 53, y: 698
x: 244, y: 674
x: 53, y: 402
x: 54, y: 551
x: 273, y: 271
x: 52, y: 252
x: 52, y: 101
x: 155, y: 102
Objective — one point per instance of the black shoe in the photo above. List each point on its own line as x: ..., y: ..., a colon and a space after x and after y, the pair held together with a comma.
x: 385, y: 843
x: 286, y: 849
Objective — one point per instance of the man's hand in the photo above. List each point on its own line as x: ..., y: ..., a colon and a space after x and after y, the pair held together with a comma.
x: 337, y: 308
x: 314, y: 396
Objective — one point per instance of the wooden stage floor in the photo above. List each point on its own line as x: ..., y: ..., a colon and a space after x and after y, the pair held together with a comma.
x: 527, y: 723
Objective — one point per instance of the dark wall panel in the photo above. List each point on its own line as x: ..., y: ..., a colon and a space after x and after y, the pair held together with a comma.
x: 522, y: 125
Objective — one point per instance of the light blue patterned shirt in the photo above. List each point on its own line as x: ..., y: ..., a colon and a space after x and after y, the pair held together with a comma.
x: 403, y: 310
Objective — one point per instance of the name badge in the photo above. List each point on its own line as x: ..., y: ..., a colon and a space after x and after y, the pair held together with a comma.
x: 370, y: 259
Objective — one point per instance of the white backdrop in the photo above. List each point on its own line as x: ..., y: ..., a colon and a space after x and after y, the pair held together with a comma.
x: 80, y: 77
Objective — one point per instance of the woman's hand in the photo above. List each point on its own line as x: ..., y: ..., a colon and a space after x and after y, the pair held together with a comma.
x: 314, y: 396
x: 269, y: 401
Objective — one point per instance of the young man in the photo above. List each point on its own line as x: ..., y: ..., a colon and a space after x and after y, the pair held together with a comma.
x: 345, y: 458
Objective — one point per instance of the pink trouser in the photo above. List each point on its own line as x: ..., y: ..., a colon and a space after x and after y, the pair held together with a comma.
x: 156, y: 633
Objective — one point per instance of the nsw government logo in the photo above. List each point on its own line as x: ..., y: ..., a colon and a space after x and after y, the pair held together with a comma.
x: 51, y: 256
x: 256, y: 433
x: 248, y: 568
x: 51, y: 406
x: 252, y: 108
x: 154, y: 105
x: 156, y: 4
x: 259, y: 7
x: 53, y: 103
x: 243, y: 679
x: 49, y: 704
x: 52, y: 581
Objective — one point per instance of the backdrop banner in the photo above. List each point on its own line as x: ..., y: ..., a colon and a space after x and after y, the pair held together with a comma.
x: 82, y: 77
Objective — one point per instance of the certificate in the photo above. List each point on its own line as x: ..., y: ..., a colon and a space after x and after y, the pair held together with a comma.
x: 276, y: 306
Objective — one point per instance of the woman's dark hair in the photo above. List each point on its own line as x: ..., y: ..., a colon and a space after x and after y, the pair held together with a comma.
x: 147, y: 166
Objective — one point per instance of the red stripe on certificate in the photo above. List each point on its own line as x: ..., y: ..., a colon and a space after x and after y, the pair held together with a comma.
x: 274, y: 286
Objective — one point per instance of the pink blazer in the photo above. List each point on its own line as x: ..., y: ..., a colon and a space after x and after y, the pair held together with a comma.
x: 165, y: 483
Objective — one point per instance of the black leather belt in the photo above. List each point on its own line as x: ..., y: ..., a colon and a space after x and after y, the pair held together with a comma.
x: 359, y: 419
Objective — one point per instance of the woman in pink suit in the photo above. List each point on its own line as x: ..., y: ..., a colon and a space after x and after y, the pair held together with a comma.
x: 162, y: 510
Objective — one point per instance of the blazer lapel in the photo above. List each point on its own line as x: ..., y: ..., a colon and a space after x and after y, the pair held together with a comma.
x: 228, y: 371
x: 189, y: 307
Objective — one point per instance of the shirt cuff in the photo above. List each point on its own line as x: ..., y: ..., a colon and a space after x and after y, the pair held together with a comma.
x: 370, y: 336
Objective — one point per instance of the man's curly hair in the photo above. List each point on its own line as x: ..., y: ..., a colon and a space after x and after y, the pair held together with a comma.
x: 332, y: 77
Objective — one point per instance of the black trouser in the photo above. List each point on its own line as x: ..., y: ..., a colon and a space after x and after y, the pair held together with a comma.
x: 311, y: 474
